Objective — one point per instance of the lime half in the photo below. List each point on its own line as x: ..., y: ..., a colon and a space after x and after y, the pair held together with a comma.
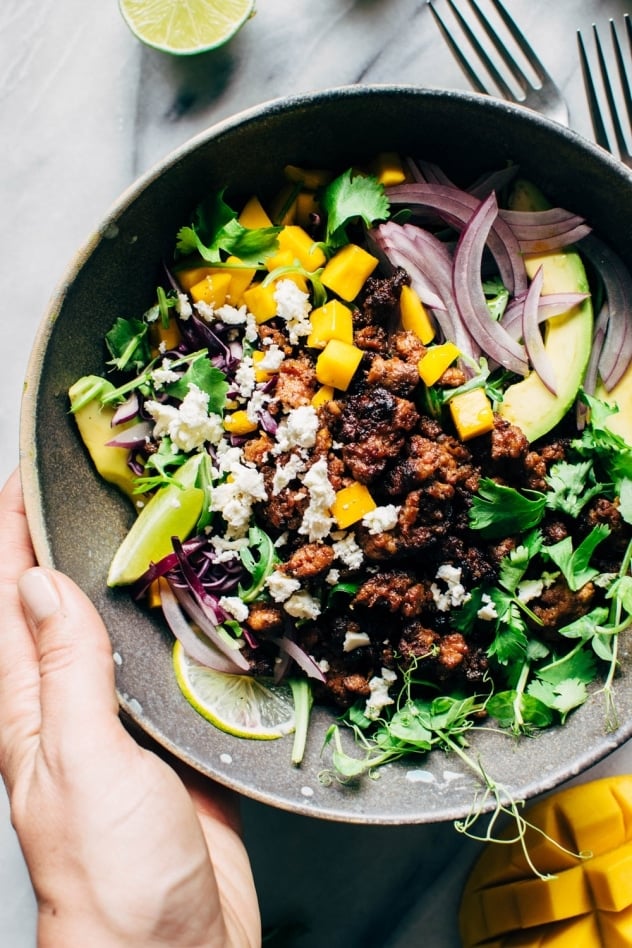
x: 236, y: 704
x: 185, y: 27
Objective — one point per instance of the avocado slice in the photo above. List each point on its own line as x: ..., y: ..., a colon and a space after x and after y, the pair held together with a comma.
x: 568, y: 337
x: 621, y: 396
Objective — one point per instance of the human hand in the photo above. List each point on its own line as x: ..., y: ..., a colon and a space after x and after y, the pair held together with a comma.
x: 119, y: 851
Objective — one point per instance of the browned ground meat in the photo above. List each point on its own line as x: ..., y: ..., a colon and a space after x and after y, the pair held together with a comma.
x: 309, y: 561
x: 264, y: 617
x: 399, y: 377
x: 379, y: 300
x: 395, y: 591
x: 558, y: 605
x: 296, y: 382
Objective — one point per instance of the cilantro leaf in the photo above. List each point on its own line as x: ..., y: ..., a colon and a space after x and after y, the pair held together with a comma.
x: 206, y: 377
x: 563, y: 697
x: 579, y: 663
x: 514, y: 709
x: 350, y: 197
x: 127, y: 343
x: 514, y: 565
x: 575, y: 564
x: 500, y: 511
x: 496, y: 297
x: 571, y: 487
x: 216, y: 230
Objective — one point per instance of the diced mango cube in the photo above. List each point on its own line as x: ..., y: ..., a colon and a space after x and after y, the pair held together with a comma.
x: 238, y: 423
x: 388, y: 168
x: 414, y: 316
x: 337, y: 364
x: 188, y: 278
x: 240, y: 279
x: 348, y: 270
x: 253, y: 214
x: 351, y: 504
x: 212, y: 290
x: 334, y: 320
x: 285, y: 258
x: 472, y: 414
x: 260, y: 301
x: 550, y: 900
x: 610, y: 878
x: 163, y: 338
x: 310, y: 178
x: 302, y: 247
x: 324, y: 394
x: 436, y: 360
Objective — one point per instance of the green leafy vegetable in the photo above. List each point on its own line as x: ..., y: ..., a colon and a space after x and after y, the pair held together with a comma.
x: 500, y: 511
x: 351, y: 197
x: 216, y: 231
x: 127, y: 343
x: 575, y: 564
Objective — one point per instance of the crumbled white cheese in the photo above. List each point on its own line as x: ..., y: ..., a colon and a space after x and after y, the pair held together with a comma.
x: 379, y: 697
x: 455, y: 593
x: 235, y: 497
x: 298, y: 429
x: 272, y: 358
x: 280, y: 586
x: 285, y: 474
x: 183, y: 306
x: 293, y: 307
x: 381, y: 519
x: 348, y: 552
x: 251, y: 333
x: 487, y: 611
x: 235, y: 607
x: 529, y: 589
x: 190, y: 425
x: 324, y: 665
x: 258, y: 401
x: 232, y: 315
x: 317, y: 520
x: 355, y: 640
x: 332, y: 577
x: 227, y: 550
x: 205, y: 311
x: 163, y: 374
x: 302, y: 605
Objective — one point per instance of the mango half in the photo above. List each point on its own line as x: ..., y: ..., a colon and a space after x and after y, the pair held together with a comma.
x: 587, y: 902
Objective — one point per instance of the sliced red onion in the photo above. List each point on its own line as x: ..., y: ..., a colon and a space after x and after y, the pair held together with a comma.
x: 532, y: 337
x: 616, y: 353
x: 300, y: 656
x: 456, y: 208
x: 397, y: 245
x: 196, y: 647
x: 493, y: 181
x: 126, y: 411
x: 469, y: 295
x: 553, y: 304
x: 203, y: 620
x: 550, y: 229
x: 132, y: 437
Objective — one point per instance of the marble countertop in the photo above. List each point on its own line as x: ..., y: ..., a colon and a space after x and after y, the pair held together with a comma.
x: 84, y: 109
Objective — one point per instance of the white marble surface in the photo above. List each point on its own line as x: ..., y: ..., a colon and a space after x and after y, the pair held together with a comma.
x: 84, y: 108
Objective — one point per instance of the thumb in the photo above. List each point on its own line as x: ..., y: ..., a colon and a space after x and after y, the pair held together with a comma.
x: 77, y: 693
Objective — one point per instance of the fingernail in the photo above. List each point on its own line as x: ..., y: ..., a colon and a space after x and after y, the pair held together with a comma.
x: 38, y: 594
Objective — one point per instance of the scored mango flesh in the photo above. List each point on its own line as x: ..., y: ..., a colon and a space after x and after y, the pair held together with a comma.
x: 587, y: 903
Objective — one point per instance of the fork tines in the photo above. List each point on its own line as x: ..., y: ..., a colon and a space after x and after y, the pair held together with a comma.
x: 611, y: 109
x: 541, y: 94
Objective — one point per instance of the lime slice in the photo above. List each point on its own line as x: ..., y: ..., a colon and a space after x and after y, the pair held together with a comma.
x: 236, y: 704
x: 184, y: 27
x: 172, y: 511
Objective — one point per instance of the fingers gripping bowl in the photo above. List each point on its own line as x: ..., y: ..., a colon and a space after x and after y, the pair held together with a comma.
x: 78, y: 521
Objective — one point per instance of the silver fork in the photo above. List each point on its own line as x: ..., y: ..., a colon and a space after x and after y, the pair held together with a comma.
x: 594, y: 102
x: 544, y: 97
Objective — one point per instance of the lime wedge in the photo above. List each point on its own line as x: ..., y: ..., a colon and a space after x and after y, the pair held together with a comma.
x: 184, y: 27
x: 172, y: 511
x: 237, y: 704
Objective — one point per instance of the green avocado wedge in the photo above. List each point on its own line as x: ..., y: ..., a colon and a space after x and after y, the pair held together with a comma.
x: 568, y: 337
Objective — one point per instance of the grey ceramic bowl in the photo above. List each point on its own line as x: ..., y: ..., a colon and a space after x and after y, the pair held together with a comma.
x: 77, y: 521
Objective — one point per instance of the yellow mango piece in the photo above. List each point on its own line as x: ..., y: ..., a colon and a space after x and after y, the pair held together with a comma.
x: 472, y: 414
x: 389, y: 169
x: 94, y: 422
x: 348, y: 270
x: 261, y: 375
x: 260, y: 301
x: 414, y: 317
x: 337, y: 363
x: 240, y: 279
x: 253, y: 215
x: 436, y: 360
x: 586, y: 903
x: 302, y: 247
x: 212, y: 290
x: 283, y: 209
x: 351, y: 504
x: 285, y: 258
x: 152, y: 596
x: 310, y: 178
x: 163, y: 338
x: 188, y: 278
x: 306, y: 206
x: 324, y: 394
x: 334, y: 320
x: 238, y: 423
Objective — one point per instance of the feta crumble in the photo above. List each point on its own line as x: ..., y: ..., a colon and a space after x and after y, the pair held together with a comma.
x: 317, y: 520
x: 235, y: 498
x: 302, y: 605
x: 190, y: 425
x: 379, y: 697
x: 293, y: 306
x: 297, y: 429
x: 235, y: 607
x: 381, y: 519
x: 280, y: 586
x: 355, y: 640
x: 348, y: 552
